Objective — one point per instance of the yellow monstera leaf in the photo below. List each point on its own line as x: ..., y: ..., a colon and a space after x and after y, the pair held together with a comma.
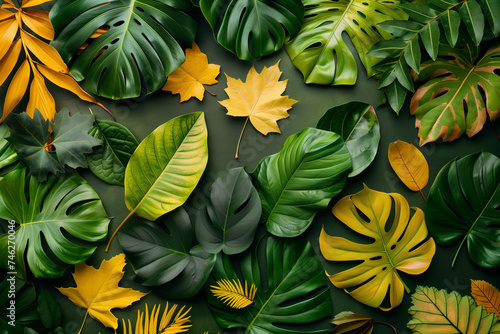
x: 398, y: 245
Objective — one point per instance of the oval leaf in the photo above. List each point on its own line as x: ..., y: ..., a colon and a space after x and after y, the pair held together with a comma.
x: 409, y: 164
x: 487, y: 295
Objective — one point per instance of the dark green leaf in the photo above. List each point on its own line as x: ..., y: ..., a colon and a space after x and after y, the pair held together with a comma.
x: 430, y: 38
x: 108, y: 162
x: 472, y: 15
x: 390, y: 48
x: 7, y: 153
x: 418, y: 12
x: 442, y: 4
x: 492, y: 12
x: 396, y: 95
x: 230, y: 218
x: 463, y: 205
x: 401, y: 29
x: 48, y: 310
x: 357, y: 124
x: 294, y: 292
x: 25, y: 303
x: 386, y: 78
x: 402, y: 73
x: 412, y: 55
x: 450, y: 20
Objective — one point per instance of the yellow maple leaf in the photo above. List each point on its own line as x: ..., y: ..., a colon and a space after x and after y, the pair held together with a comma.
x: 259, y: 99
x: 189, y: 78
x: 97, y: 290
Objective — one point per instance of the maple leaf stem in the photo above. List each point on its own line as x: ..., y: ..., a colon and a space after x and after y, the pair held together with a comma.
x: 239, y: 140
x: 209, y: 92
x: 83, y: 324
x: 116, y: 231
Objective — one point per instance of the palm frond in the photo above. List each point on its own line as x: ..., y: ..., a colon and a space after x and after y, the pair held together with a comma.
x: 147, y: 324
x: 232, y: 293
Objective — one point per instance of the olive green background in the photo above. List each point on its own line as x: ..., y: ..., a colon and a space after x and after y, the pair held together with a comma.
x: 143, y: 115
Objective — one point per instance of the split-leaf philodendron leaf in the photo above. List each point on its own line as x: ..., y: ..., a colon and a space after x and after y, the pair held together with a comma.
x: 253, y: 28
x: 301, y: 179
x: 52, y: 218
x: 145, y: 42
x: 319, y: 50
x: 294, y: 291
x: 463, y: 205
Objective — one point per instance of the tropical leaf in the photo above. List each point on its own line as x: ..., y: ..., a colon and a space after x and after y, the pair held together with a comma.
x: 294, y: 291
x: 357, y: 124
x: 7, y: 153
x: 253, y: 28
x: 167, y: 255
x: 319, y: 50
x: 55, y: 217
x: 232, y: 293
x: 301, y: 179
x: 143, y: 45
x: 486, y: 295
x: 349, y: 322
x: 462, y: 205
x: 146, y: 324
x: 436, y: 311
x: 158, y: 183
x: 400, y: 247
x: 108, y: 162
x: 230, y: 217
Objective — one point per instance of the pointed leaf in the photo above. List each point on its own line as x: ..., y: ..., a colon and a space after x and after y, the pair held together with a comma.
x: 346, y: 322
x: 409, y: 164
x: 402, y: 73
x: 492, y: 12
x: 472, y: 15
x: 396, y: 95
x: 389, y: 48
x: 450, y: 20
x: 146, y: 324
x: 44, y: 52
x: 49, y: 310
x: 17, y: 87
x: 401, y: 29
x: 38, y: 21
x: 8, y: 62
x: 40, y: 98
x: 430, y: 38
x: 418, y: 12
x: 487, y: 295
x: 232, y: 293
x: 412, y: 54
x: 8, y: 31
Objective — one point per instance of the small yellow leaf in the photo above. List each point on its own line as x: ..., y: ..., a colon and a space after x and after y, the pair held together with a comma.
x: 487, y: 295
x: 8, y: 31
x: 17, y: 87
x: 38, y: 21
x: 5, y: 14
x: 97, y: 290
x: 33, y: 3
x: 189, y: 78
x: 232, y: 293
x: 8, y: 62
x: 40, y: 98
x: 44, y: 52
x: 167, y: 325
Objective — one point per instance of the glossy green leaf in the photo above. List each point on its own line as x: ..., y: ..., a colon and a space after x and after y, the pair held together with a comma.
x: 419, y: 12
x: 253, y: 28
x: 58, y: 222
x: 108, y: 162
x: 319, y: 50
x: 294, y: 291
x: 412, y: 54
x: 491, y: 10
x: 401, y: 29
x: 166, y: 254
x: 396, y: 95
x: 357, y: 124
x: 463, y: 206
x: 48, y: 310
x: 472, y: 16
x: 7, y: 153
x: 402, y: 73
x: 430, y: 39
x: 145, y: 42
x: 231, y: 215
x: 294, y: 184
x: 450, y: 20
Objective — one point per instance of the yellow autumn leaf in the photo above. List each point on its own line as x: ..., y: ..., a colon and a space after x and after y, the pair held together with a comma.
x: 189, y: 78
x: 146, y: 324
x: 97, y: 290
x: 401, y: 248
x: 38, y: 21
x: 487, y: 295
x: 259, y: 99
x: 233, y: 294
x: 409, y: 164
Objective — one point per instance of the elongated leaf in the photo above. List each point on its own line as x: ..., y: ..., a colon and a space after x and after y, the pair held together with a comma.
x: 53, y: 218
x: 450, y: 20
x: 294, y: 276
x: 430, y: 39
x: 253, y: 28
x: 144, y: 43
x: 310, y: 169
x: 232, y: 293
x: 357, y: 124
x: 167, y: 254
x: 487, y: 295
x: 231, y: 215
x: 168, y: 324
x: 412, y: 54
x: 396, y: 95
x: 472, y: 16
x: 349, y: 322
x: 7, y: 153
x: 409, y: 164
x: 463, y: 205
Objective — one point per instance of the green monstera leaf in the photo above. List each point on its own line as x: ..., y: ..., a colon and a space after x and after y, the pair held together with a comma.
x: 144, y: 44
x: 319, y: 50
x: 58, y: 220
x: 166, y: 254
x: 253, y: 28
x: 294, y: 184
x: 7, y: 153
x: 293, y: 291
x: 463, y: 204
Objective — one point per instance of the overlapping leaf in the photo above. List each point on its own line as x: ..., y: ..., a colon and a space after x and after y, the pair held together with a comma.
x: 7, y: 153
x: 168, y: 324
x: 486, y: 295
x: 233, y: 294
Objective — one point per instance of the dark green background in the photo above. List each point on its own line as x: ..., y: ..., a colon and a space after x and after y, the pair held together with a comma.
x: 144, y: 114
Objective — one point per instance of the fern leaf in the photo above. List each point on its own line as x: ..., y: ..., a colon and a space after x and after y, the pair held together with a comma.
x: 148, y: 324
x: 233, y: 294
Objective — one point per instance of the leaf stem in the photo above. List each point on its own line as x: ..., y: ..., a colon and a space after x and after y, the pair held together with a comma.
x: 116, y: 231
x: 209, y: 92
x: 458, y: 251
x: 239, y: 140
x: 83, y: 324
x: 421, y: 193
x: 387, y: 324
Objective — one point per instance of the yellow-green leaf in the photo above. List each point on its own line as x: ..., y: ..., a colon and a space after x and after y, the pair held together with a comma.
x: 233, y: 294
x: 487, y: 295
x: 148, y: 324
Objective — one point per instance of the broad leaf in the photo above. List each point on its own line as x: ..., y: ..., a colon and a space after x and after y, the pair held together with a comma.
x: 357, y: 124
x: 7, y: 153
x: 168, y: 324
x: 301, y: 179
x: 25, y: 307
x: 436, y: 311
x: 54, y: 220
x: 293, y: 292
x: 167, y: 253
x: 108, y: 162
x: 319, y: 50
x: 144, y: 43
x: 230, y: 217
x: 48, y: 310
x: 463, y: 205
x: 253, y: 28
x: 399, y: 245
x: 487, y: 295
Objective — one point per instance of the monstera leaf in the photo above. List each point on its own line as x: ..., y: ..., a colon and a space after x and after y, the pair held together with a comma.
x: 54, y: 220
x: 293, y: 292
x: 451, y: 102
x: 167, y: 253
x: 301, y: 179
x: 463, y: 205
x: 400, y: 247
x: 230, y: 218
x: 143, y: 45
x: 319, y: 50
x: 253, y: 28
x: 7, y: 153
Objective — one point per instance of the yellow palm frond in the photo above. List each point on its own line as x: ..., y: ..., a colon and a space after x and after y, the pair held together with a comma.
x: 232, y: 293
x: 149, y: 324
